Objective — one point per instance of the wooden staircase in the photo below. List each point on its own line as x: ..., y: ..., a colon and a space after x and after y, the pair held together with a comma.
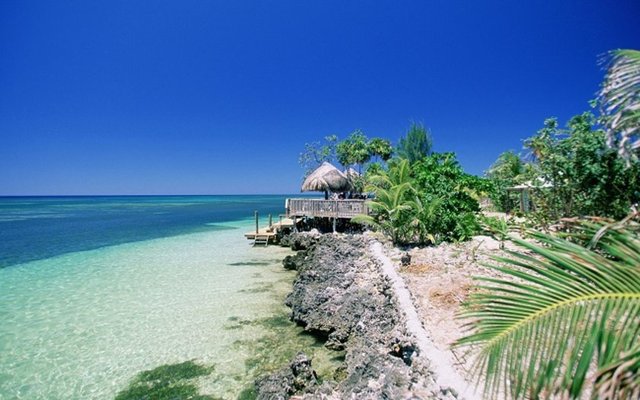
x: 261, y: 239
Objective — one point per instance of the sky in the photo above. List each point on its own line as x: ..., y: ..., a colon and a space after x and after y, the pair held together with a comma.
x: 219, y: 97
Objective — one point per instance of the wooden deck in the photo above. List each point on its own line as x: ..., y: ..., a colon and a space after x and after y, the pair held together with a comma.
x: 326, y: 208
x: 297, y: 209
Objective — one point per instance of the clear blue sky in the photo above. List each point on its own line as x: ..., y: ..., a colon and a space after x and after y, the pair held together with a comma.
x: 199, y: 97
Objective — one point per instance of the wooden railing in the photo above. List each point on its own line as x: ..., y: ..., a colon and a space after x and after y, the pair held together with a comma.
x: 325, y: 208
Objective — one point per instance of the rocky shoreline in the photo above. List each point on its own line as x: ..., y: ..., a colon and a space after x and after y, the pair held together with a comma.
x: 342, y: 296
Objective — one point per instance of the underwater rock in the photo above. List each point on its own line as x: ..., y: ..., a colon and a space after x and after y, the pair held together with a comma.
x: 296, y: 378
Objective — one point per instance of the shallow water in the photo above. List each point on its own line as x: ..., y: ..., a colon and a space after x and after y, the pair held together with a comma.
x: 82, y: 324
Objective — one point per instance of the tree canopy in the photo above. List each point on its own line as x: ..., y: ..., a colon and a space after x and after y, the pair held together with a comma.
x: 416, y: 144
x: 356, y: 150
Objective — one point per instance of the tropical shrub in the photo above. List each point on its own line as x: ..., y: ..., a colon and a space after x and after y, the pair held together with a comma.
x: 431, y: 201
x: 393, y: 206
x: 496, y: 227
x: 573, y: 305
x: 507, y: 171
x: 439, y: 177
x: 586, y: 176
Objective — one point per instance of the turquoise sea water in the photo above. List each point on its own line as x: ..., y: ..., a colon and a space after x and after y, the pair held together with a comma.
x: 94, y: 290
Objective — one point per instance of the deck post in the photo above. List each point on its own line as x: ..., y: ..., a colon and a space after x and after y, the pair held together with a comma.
x: 522, y: 200
x: 270, y: 221
x: 335, y: 219
x: 256, y: 215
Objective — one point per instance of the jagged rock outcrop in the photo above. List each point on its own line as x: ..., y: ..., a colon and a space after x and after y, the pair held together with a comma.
x: 295, y: 261
x: 339, y: 288
x: 341, y: 296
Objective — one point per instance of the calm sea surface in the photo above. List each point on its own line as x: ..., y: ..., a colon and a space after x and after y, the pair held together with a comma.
x: 94, y: 290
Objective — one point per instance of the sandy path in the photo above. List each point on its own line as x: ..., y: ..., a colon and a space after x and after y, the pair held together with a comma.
x: 440, y: 361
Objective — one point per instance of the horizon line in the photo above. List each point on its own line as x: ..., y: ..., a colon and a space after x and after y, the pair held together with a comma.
x: 152, y: 195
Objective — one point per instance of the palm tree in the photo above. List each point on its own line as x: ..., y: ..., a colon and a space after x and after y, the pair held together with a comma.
x: 391, y: 211
x: 392, y: 204
x: 508, y: 166
x: 423, y: 218
x: 620, y: 102
x: 574, y: 303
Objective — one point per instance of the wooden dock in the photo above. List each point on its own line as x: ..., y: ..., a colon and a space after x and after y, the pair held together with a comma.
x: 269, y: 233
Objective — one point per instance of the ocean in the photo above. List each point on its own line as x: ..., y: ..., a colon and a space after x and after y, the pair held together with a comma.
x: 96, y: 290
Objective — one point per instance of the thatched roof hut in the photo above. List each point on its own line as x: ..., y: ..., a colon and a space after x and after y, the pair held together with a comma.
x: 326, y: 178
x: 351, y: 173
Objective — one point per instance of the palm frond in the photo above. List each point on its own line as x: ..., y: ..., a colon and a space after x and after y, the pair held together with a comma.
x: 621, y: 378
x: 365, y: 220
x: 540, y: 329
x: 620, y: 102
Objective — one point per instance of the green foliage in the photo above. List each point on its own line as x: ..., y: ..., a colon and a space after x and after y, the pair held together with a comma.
x: 620, y: 379
x: 620, y: 103
x: 416, y: 144
x: 392, y: 207
x: 356, y: 149
x: 167, y: 382
x: 557, y: 313
x: 587, y: 177
x: 496, y: 227
x: 381, y: 148
x: 507, y: 171
x: 424, y: 217
x: 439, y: 177
x: 427, y: 202
x: 353, y: 150
x: 316, y: 153
x: 373, y: 169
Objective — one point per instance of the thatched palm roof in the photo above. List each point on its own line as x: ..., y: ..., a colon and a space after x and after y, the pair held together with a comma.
x: 326, y: 178
x: 351, y: 173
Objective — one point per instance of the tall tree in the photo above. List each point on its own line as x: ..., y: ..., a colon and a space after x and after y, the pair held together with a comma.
x: 379, y: 147
x: 354, y: 150
x: 316, y: 153
x: 416, y: 144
